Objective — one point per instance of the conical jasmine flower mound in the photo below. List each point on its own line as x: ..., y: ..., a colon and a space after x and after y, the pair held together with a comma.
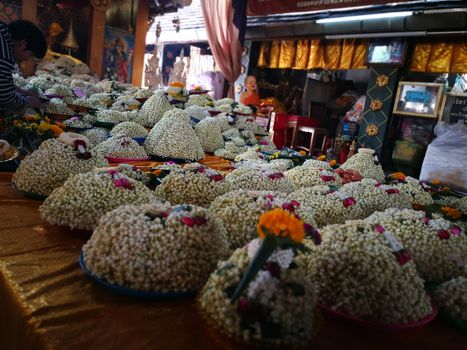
x: 156, y: 247
x: 240, y: 210
x: 366, y: 163
x: 121, y: 146
x: 261, y: 296
x: 209, y: 133
x: 154, y: 108
x: 259, y: 180
x: 84, y: 198
x: 130, y: 129
x: 48, y: 167
x: 451, y: 297
x: 195, y: 184
x: 437, y: 246
x: 173, y: 137
x: 363, y: 271
x: 303, y: 176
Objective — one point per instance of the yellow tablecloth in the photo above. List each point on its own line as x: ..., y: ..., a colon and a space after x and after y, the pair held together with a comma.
x: 46, y: 302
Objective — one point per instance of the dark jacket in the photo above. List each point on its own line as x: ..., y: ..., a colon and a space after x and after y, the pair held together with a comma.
x: 9, y: 98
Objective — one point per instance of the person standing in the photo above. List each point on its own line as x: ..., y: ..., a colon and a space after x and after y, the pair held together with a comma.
x: 19, y: 40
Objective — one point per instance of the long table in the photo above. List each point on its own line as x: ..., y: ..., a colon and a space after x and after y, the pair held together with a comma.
x: 46, y: 302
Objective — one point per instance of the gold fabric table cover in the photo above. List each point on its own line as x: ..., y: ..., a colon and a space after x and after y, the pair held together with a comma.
x: 46, y: 302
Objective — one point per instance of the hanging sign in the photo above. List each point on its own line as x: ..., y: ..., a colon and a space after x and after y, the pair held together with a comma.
x: 268, y: 7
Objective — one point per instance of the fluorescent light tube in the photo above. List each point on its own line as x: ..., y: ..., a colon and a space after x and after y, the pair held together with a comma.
x: 365, y: 17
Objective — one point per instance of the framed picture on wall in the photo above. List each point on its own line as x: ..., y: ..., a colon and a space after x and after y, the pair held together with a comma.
x: 418, y: 99
x: 454, y: 108
x: 386, y: 53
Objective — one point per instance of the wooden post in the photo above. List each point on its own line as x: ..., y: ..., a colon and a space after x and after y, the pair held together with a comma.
x: 29, y: 10
x: 96, y: 40
x: 140, y: 41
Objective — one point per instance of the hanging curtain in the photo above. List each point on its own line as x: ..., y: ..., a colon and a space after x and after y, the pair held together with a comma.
x: 225, y: 25
x: 314, y: 53
x: 439, y: 57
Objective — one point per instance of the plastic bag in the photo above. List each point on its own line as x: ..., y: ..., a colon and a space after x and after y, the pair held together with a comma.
x: 446, y: 156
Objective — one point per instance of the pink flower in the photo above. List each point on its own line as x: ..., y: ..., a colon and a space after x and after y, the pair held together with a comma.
x: 349, y: 201
x: 392, y: 191
x: 378, y: 228
x: 198, y: 220
x: 455, y: 230
x: 426, y: 220
x: 216, y: 177
x: 263, y: 142
x: 402, y: 257
x: 327, y: 178
x: 188, y: 221
x: 378, y: 184
x: 201, y: 170
x: 291, y: 206
x: 112, y: 172
x: 243, y: 305
x: 170, y: 162
x: 311, y: 232
x: 270, y: 197
x: 275, y: 176
x: 443, y: 234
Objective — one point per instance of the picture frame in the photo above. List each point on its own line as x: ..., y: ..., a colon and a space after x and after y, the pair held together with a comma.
x: 454, y: 108
x: 386, y: 53
x: 418, y: 99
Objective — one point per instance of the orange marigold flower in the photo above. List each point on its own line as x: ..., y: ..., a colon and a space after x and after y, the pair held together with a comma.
x: 56, y: 130
x: 398, y: 176
x: 177, y: 84
x: 451, y: 212
x: 60, y: 125
x: 302, y: 153
x: 157, y: 172
x: 322, y: 157
x: 281, y: 223
x: 333, y: 162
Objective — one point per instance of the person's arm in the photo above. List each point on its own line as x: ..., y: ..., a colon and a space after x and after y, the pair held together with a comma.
x: 9, y: 98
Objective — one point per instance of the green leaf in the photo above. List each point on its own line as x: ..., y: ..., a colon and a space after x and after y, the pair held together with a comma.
x: 264, y: 252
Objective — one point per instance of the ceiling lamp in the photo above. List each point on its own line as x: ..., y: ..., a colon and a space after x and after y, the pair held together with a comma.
x: 365, y: 17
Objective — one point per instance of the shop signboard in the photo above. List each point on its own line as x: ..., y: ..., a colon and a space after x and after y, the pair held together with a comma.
x: 418, y: 99
x: 268, y: 7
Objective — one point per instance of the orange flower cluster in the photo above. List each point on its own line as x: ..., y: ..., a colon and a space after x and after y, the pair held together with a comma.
x: 398, y: 176
x: 322, y: 157
x: 281, y: 223
x: 177, y: 84
x: 302, y: 153
x: 451, y: 212
x: 333, y: 162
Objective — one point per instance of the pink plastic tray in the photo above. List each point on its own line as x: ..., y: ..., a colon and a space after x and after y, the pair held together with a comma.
x: 391, y: 327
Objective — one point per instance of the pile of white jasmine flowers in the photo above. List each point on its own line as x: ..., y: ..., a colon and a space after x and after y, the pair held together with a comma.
x: 85, y: 197
x: 302, y: 176
x: 451, y: 297
x: 366, y: 163
x: 240, y: 210
x: 154, y: 108
x: 259, y: 180
x: 173, y: 137
x: 121, y: 146
x: 156, y: 247
x: 362, y: 270
x: 277, y: 308
x: 56, y: 159
x: 195, y: 184
x: 209, y: 133
x: 130, y: 129
x: 437, y: 246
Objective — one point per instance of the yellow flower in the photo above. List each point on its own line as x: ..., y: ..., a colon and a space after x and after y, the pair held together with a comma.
x: 302, y: 153
x: 436, y: 182
x: 398, y: 176
x: 333, y: 162
x: 281, y: 223
x: 322, y: 157
x: 43, y: 126
x: 451, y: 212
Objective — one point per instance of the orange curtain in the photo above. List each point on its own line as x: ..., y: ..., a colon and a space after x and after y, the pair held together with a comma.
x: 314, y: 53
x: 439, y: 57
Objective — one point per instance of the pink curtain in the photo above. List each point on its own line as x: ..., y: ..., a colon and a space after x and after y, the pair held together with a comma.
x: 223, y: 38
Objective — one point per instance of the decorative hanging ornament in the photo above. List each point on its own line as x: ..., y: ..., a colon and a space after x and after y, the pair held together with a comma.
x: 382, y: 80
x: 372, y: 130
x: 376, y: 105
x: 70, y: 41
x: 100, y: 5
